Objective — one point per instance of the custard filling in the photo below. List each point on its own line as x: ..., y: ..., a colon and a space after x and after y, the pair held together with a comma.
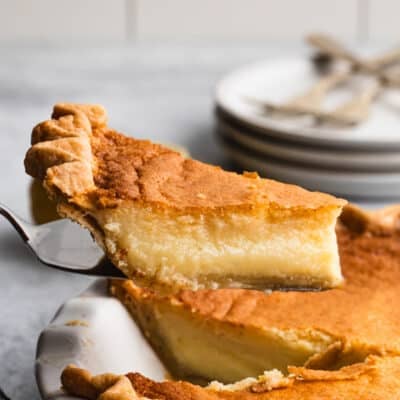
x: 248, y: 250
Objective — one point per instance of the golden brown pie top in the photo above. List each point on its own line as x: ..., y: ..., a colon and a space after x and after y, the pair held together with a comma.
x: 80, y: 158
x: 364, y: 313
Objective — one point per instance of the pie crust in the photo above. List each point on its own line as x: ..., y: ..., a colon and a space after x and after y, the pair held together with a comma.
x: 377, y: 378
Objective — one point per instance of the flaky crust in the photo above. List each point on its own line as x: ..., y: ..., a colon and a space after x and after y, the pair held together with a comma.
x: 80, y: 382
x: 61, y: 153
x: 83, y: 162
x: 376, y: 378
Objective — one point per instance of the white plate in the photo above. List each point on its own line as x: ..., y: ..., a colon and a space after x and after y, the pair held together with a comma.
x: 279, y: 80
x: 347, y: 184
x: 310, y: 156
x: 106, y: 341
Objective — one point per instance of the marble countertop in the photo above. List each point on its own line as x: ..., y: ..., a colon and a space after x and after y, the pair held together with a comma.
x: 159, y: 91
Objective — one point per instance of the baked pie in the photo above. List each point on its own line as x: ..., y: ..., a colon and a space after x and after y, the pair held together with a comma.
x: 166, y: 220
x: 340, y: 344
x: 169, y: 221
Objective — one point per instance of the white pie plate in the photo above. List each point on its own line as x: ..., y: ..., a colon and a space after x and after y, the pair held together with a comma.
x: 93, y: 331
x: 277, y: 81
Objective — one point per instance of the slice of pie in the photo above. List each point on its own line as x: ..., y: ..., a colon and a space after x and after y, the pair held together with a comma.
x: 232, y: 334
x: 167, y: 220
x: 377, y: 378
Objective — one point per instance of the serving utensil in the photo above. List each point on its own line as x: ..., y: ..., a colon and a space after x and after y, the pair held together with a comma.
x: 63, y: 245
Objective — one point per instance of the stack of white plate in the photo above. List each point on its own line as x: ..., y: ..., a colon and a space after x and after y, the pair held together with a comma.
x: 362, y: 161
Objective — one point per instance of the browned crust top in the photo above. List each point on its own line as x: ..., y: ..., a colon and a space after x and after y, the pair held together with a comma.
x: 82, y: 160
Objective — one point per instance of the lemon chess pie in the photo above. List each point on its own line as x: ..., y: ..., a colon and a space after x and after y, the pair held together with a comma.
x: 167, y: 220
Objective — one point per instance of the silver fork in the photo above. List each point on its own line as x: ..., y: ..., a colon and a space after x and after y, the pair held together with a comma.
x: 356, y: 110
x: 308, y: 102
x: 63, y: 245
x: 336, y: 50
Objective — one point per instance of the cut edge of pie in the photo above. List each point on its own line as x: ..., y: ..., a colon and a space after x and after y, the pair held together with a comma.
x: 174, y: 222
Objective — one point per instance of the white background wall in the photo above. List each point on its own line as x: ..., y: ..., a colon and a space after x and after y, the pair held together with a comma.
x: 129, y: 20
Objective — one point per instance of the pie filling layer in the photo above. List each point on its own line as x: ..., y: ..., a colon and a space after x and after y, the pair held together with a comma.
x: 237, y: 248
x: 202, y: 349
x: 196, y: 350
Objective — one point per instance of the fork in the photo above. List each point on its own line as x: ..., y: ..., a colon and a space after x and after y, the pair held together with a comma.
x: 352, y: 112
x: 358, y: 108
x: 336, y: 50
x: 63, y: 245
x: 308, y: 102
x: 355, y: 110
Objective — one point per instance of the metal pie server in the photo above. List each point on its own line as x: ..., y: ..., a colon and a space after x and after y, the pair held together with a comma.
x: 63, y: 245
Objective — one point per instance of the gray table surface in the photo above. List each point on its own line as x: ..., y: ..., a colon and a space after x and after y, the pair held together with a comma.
x: 159, y: 91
